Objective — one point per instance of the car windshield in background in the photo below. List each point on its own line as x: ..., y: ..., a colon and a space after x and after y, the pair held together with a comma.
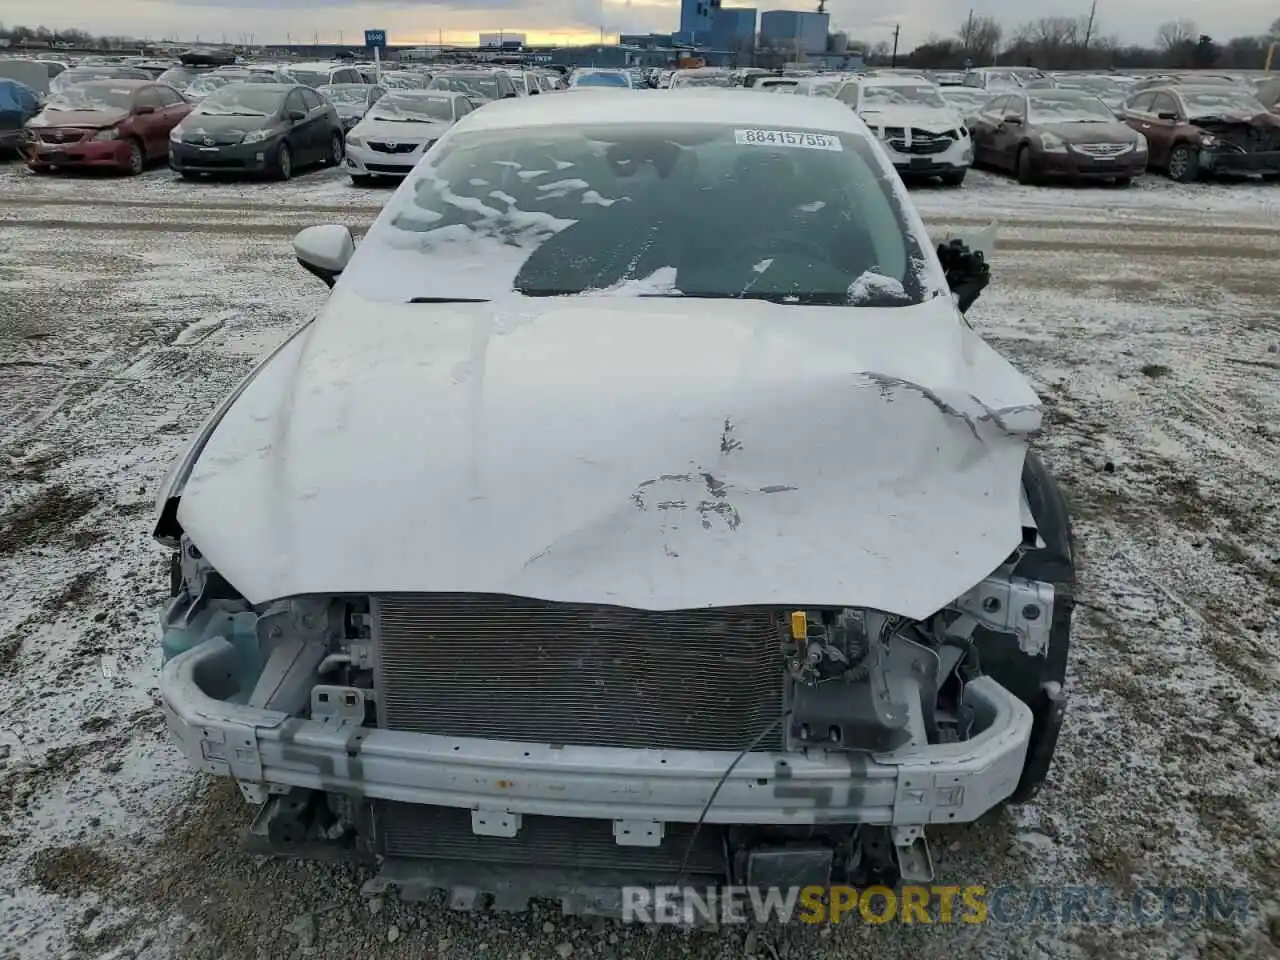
x: 1212, y: 103
x: 203, y: 86
x: 916, y: 95
x: 601, y: 79
x: 1100, y: 86
x: 241, y: 100
x: 704, y: 80
x: 696, y: 210
x: 1069, y: 108
x: 964, y: 97
x: 345, y: 93
x: 310, y: 78
x: 410, y: 108
x: 472, y: 84
x: 401, y: 82
x: 92, y: 96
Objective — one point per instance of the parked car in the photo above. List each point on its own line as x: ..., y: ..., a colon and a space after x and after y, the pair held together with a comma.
x: 1269, y: 94
x: 1107, y: 89
x: 399, y: 129
x: 83, y: 74
x: 182, y: 77
x: 923, y: 135
x: 967, y: 100
x: 352, y: 100
x: 1038, y: 134
x: 118, y: 124
x: 822, y: 85
x: 1178, y: 79
x: 317, y: 75
x: 702, y: 77
x: 363, y: 499
x: 264, y: 129
x: 769, y: 84
x: 18, y: 104
x: 1001, y: 79
x: 405, y: 80
x: 1198, y: 130
x: 592, y: 77
x: 482, y: 86
x: 203, y: 85
x: 30, y: 73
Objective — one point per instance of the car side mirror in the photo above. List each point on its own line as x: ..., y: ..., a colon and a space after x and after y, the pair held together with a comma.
x: 511, y: 96
x: 325, y: 250
x: 1166, y: 115
x: 534, y: 93
x: 297, y: 115
x: 1013, y: 119
x: 967, y: 272
x: 143, y: 109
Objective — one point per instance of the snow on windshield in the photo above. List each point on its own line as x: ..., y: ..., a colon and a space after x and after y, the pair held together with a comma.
x: 915, y: 94
x: 92, y: 96
x: 345, y: 94
x: 702, y: 80
x: 240, y: 100
x: 797, y: 217
x: 1081, y: 108
x: 1225, y: 102
x: 477, y: 84
x: 408, y: 108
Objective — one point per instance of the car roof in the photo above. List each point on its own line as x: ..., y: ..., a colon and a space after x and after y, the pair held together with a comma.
x: 428, y: 94
x: 695, y: 105
x: 1218, y: 88
x: 896, y: 80
x: 128, y: 83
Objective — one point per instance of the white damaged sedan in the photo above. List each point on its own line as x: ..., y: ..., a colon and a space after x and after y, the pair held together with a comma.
x: 639, y: 507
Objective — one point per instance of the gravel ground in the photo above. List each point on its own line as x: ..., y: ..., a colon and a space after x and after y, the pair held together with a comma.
x: 1146, y: 319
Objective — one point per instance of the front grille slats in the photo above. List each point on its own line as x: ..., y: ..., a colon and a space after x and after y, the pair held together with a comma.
x: 509, y: 668
x: 392, y: 147
x: 444, y: 833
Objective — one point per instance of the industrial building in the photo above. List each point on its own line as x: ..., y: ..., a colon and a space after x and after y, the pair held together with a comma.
x: 796, y: 30
x: 733, y: 29
x: 503, y: 40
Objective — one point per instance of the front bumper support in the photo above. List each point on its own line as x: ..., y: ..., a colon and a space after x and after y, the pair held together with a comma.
x: 270, y: 752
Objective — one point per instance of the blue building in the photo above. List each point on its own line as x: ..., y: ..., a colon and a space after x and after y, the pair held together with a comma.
x: 696, y: 19
x: 797, y: 30
x: 733, y: 29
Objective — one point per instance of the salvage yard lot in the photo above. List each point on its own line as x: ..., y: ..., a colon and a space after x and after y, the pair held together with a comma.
x: 1149, y: 322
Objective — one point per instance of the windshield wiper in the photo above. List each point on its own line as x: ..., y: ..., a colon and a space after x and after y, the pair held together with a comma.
x: 449, y: 300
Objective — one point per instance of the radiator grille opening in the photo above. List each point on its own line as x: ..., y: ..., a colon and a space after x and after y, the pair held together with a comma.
x: 509, y: 668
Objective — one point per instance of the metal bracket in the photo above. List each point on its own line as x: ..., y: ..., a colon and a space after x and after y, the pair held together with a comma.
x: 1012, y: 605
x: 338, y: 706
x: 638, y: 833
x: 915, y: 862
x: 495, y: 823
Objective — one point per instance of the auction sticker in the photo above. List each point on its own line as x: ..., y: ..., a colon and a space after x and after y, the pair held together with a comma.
x: 788, y: 138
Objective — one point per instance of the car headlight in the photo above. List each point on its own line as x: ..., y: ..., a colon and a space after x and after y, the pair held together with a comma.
x: 1052, y: 144
x: 355, y: 142
x: 112, y: 133
x: 1208, y: 140
x: 256, y: 136
x: 1141, y: 145
x: 175, y: 135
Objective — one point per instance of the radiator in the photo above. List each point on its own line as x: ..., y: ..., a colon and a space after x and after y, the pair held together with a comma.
x: 508, y: 668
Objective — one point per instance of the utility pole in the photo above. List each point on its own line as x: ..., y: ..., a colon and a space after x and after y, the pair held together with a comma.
x: 1088, y: 30
x: 897, y: 28
x: 968, y: 32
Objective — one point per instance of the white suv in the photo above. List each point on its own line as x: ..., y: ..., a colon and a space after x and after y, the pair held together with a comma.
x: 923, y: 135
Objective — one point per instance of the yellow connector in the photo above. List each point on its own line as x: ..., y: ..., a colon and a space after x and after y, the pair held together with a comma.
x: 799, y: 625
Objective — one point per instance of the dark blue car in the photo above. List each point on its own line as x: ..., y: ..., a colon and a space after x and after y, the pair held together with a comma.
x: 18, y: 104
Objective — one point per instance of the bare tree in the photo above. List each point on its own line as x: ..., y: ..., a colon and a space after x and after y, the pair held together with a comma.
x: 981, y: 38
x: 1175, y: 34
x: 1275, y: 27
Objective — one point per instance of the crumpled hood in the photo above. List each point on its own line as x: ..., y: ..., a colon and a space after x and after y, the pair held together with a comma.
x: 652, y: 453
x: 397, y: 131
x: 932, y: 119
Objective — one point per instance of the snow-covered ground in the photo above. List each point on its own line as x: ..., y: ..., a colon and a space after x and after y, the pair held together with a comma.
x: 1148, y: 319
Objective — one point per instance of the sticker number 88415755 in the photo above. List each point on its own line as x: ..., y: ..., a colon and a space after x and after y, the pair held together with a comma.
x: 787, y: 138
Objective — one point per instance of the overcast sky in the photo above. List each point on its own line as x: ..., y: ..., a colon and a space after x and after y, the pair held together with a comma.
x: 564, y: 20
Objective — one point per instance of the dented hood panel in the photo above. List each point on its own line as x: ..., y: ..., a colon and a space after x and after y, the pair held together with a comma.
x: 652, y: 453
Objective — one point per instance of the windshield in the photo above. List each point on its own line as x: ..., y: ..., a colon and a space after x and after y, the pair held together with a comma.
x: 797, y: 217
x: 819, y: 88
x: 702, y: 80
x: 1212, y: 103
x: 242, y: 100
x: 179, y: 77
x: 408, y: 108
x: 203, y: 86
x: 92, y: 96
x: 401, y: 81
x: 1099, y: 85
x: 1079, y: 108
x: 601, y: 79
x: 472, y: 84
x: 311, y: 78
x: 916, y: 95
x: 345, y: 94
x: 963, y: 97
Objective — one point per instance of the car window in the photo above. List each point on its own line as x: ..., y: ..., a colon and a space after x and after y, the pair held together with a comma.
x: 147, y: 97
x: 1164, y: 103
x: 295, y: 101
x: 848, y: 94
x: 1016, y: 107
x: 168, y: 98
x: 1142, y: 103
x: 461, y: 108
x: 311, y: 98
x: 996, y: 106
x: 673, y: 209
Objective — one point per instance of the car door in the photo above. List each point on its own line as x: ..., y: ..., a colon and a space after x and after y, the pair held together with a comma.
x: 1010, y: 130
x: 988, y: 117
x: 319, y: 123
x: 175, y: 107
x: 301, y: 129
x: 1160, y: 130
x: 149, y: 122
x: 461, y: 107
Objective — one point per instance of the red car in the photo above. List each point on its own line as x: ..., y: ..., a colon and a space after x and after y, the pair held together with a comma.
x: 119, y: 124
